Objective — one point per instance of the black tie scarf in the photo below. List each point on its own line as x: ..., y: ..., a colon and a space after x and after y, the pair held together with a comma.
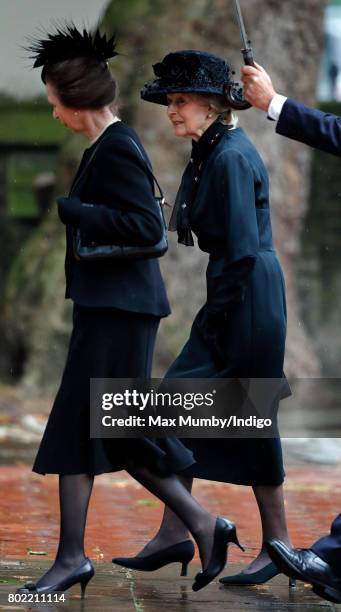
x: 180, y: 219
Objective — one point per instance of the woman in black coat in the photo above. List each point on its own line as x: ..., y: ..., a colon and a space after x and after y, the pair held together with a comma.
x: 240, y: 331
x: 117, y: 308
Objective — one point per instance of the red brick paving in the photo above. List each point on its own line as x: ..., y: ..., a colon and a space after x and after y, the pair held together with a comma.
x: 123, y: 515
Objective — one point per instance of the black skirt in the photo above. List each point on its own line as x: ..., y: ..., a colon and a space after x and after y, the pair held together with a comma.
x: 105, y: 343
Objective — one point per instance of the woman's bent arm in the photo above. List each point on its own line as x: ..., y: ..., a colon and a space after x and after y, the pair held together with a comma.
x: 122, y: 209
x: 235, y: 186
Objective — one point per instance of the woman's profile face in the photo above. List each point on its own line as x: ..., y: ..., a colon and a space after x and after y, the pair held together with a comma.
x: 69, y: 117
x: 189, y: 115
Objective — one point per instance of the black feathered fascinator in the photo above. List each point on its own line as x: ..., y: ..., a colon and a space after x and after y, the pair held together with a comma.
x: 68, y: 43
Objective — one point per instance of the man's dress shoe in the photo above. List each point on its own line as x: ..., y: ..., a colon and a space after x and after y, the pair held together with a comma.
x: 306, y: 565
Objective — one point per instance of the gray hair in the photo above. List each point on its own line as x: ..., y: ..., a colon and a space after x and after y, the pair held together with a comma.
x: 219, y: 105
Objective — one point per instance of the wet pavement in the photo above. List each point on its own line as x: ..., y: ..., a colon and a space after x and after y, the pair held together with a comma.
x: 123, y: 516
x: 123, y: 590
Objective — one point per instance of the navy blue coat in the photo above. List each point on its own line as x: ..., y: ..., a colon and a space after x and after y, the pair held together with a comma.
x: 321, y: 131
x: 310, y: 126
x: 230, y: 216
x: 123, y: 212
x: 241, y: 329
x: 329, y: 547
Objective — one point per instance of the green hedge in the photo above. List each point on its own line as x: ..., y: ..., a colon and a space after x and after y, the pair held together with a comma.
x: 29, y: 122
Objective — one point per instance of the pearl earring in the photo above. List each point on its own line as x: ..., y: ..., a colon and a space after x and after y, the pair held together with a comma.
x: 210, y: 115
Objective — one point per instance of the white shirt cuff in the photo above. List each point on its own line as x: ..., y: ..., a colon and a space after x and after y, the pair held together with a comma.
x: 276, y: 106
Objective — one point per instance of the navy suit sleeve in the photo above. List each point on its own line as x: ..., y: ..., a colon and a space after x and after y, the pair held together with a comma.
x: 235, y: 186
x: 123, y: 210
x: 310, y: 126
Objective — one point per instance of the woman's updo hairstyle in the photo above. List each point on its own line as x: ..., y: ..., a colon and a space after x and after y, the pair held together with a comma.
x: 219, y: 105
x: 75, y: 64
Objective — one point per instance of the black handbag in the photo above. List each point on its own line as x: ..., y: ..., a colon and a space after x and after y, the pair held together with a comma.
x: 114, y: 251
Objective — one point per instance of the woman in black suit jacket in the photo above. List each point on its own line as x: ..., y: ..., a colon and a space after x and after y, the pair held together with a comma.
x: 117, y: 308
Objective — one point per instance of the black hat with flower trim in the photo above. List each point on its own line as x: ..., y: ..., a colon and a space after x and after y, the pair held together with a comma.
x: 187, y: 71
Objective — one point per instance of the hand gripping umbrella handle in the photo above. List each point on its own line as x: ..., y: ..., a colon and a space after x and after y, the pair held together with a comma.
x: 234, y: 93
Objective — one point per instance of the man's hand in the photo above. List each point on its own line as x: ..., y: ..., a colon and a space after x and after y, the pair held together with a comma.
x: 258, y: 88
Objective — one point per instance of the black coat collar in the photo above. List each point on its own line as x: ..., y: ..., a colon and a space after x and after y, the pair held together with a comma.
x: 203, y: 147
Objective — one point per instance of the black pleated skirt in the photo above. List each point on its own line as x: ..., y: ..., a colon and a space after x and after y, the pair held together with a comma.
x: 105, y: 343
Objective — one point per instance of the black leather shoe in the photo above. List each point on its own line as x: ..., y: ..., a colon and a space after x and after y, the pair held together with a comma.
x: 306, y: 565
x: 82, y: 574
x: 328, y: 593
x: 178, y: 553
x: 263, y: 575
x: 225, y: 532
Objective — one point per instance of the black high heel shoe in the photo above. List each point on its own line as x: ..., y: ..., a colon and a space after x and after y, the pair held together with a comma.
x: 178, y: 553
x: 263, y: 575
x: 225, y: 532
x: 82, y: 574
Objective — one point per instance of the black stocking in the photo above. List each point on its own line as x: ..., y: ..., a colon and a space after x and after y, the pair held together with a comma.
x: 172, y: 530
x: 74, y: 496
x: 172, y: 492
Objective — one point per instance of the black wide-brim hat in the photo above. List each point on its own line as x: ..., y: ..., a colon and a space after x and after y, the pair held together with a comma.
x: 187, y: 71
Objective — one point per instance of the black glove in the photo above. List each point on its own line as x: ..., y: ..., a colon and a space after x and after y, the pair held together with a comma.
x: 211, y: 326
x: 69, y: 210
